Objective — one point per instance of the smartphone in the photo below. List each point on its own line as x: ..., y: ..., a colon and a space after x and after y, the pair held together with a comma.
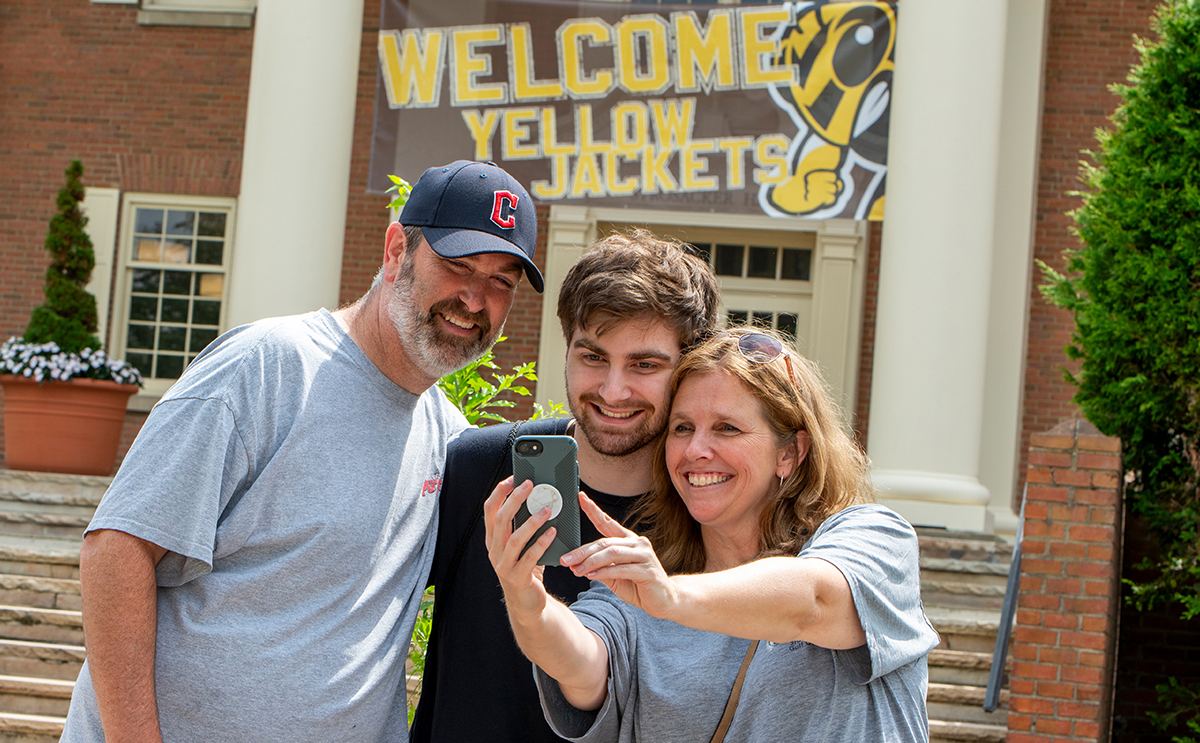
x: 553, y: 465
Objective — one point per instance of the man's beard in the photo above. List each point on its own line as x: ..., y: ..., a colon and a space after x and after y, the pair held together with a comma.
x: 610, y: 444
x: 434, y: 351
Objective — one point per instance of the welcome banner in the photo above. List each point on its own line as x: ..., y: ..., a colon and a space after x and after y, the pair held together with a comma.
x: 768, y: 109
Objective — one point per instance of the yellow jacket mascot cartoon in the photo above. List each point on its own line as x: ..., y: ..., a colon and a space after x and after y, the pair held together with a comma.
x: 839, y: 103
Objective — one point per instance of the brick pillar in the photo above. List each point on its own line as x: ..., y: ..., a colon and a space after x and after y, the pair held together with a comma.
x: 1065, y: 637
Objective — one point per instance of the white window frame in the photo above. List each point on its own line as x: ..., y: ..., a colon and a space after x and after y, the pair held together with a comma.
x: 154, y: 388
x: 101, y: 207
x: 776, y: 295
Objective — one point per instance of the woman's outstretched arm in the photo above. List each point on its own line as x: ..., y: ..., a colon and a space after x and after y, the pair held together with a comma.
x: 546, y: 630
x: 780, y: 599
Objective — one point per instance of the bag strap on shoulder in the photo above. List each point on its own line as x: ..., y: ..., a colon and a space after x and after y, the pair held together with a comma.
x: 731, y: 705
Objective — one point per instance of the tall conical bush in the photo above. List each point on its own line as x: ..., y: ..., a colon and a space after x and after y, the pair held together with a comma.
x: 68, y: 316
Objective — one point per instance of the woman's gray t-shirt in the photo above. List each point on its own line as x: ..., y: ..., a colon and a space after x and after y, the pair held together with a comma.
x: 670, y: 683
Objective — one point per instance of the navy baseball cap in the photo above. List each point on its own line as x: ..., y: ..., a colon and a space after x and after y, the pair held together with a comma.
x: 467, y: 208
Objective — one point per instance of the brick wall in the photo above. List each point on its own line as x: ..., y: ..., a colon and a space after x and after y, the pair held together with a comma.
x: 145, y: 108
x: 1089, y: 45
x: 866, y: 356
x: 1063, y: 645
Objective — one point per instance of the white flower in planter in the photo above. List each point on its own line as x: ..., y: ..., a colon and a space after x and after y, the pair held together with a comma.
x: 42, y: 360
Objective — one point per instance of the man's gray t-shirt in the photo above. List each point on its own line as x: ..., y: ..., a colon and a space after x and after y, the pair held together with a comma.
x: 670, y: 683
x: 295, y: 488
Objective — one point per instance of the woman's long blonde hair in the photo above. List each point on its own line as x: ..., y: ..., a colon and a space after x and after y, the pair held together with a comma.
x: 832, y: 477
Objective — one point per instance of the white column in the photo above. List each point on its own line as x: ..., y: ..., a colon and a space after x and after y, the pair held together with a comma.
x: 287, y: 251
x: 1012, y: 259
x: 571, y: 230
x: 835, y: 334
x: 935, y: 273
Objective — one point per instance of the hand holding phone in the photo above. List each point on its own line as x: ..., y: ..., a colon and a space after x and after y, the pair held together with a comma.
x: 551, y: 463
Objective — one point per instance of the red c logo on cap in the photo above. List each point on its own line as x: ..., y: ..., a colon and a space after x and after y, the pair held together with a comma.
x: 498, y: 210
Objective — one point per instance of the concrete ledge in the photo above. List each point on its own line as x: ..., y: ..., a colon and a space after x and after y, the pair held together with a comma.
x: 966, y: 732
x: 193, y: 18
x: 922, y: 513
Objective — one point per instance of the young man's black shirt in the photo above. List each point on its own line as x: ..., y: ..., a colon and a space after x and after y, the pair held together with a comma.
x: 478, y: 686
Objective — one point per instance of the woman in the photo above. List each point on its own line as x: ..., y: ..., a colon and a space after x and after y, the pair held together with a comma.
x: 760, y: 528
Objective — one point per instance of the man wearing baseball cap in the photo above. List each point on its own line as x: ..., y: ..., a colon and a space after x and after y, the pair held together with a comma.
x: 254, y: 571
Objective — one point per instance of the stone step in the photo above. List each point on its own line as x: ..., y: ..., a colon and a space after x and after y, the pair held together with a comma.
x: 35, y: 696
x: 938, y: 590
x: 965, y: 629
x: 961, y: 703
x: 44, y: 520
x: 42, y: 593
x: 40, y: 659
x: 22, y: 728
x: 941, y: 731
x: 967, y: 584
x: 961, y: 667
x: 42, y: 625
x: 52, y: 488
x: 46, y: 557
x: 48, y: 504
x: 963, y: 545
x: 966, y: 570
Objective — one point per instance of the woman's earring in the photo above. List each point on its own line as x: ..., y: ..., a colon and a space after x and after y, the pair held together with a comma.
x: 781, y: 481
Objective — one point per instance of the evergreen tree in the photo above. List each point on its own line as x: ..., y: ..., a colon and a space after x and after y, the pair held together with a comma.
x: 68, y: 317
x: 1134, y: 288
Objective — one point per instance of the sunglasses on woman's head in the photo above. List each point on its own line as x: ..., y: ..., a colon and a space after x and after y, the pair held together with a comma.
x: 760, y: 348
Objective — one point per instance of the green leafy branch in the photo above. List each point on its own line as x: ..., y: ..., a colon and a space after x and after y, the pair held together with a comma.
x: 401, y: 188
x: 474, y: 394
x: 1183, y: 705
x: 416, y: 653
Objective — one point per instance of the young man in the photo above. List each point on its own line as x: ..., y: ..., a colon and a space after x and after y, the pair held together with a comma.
x: 255, y: 569
x: 628, y: 308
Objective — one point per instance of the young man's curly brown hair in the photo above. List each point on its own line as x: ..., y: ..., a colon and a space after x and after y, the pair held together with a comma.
x: 638, y: 275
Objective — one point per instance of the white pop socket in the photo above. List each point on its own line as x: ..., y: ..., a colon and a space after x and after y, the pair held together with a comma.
x: 544, y: 495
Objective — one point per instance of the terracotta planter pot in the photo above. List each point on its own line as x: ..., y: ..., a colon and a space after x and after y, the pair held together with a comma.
x: 71, y: 427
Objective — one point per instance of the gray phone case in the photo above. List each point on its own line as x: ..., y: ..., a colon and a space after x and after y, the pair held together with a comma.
x: 556, y: 464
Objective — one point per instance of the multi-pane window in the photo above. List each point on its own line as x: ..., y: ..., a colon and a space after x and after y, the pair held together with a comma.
x: 174, y: 270
x: 765, y: 275
x: 759, y: 262
x: 784, y: 322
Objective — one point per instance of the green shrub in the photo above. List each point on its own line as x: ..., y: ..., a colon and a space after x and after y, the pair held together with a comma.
x: 68, y: 317
x: 1134, y: 288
